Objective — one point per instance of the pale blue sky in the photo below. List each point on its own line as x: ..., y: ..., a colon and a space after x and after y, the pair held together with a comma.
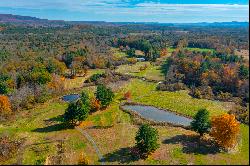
x: 165, y: 11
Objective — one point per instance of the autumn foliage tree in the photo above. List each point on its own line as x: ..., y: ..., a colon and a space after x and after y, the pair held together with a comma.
x: 5, y: 106
x: 127, y: 95
x: 225, y: 130
x: 95, y: 105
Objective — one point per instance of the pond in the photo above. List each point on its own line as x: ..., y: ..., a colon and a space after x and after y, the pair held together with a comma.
x: 71, y: 97
x: 158, y: 115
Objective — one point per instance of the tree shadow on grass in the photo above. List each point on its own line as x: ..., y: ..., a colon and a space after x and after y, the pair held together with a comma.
x: 193, y: 144
x: 122, y: 156
x: 54, y: 127
x: 58, y: 118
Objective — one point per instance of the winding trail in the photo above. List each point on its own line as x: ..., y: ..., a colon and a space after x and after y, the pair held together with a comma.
x: 90, y: 139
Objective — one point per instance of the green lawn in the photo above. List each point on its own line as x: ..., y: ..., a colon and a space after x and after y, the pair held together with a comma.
x: 179, y: 101
x: 151, y: 72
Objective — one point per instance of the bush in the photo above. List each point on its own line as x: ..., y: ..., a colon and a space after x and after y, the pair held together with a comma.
x: 5, y: 106
x: 95, y: 77
x: 201, y: 123
x: 83, y: 160
x: 85, y: 98
x: 3, y: 88
x: 147, y: 139
x: 225, y: 130
x: 224, y: 96
x: 241, y: 113
x: 171, y: 87
x: 202, y: 92
x: 76, y: 111
x: 127, y: 95
x: 104, y: 95
x: 95, y: 105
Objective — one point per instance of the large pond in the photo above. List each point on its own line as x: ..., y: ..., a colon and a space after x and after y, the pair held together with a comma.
x: 158, y: 115
x: 71, y: 97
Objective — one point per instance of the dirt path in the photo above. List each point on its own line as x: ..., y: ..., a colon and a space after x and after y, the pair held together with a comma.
x: 90, y: 139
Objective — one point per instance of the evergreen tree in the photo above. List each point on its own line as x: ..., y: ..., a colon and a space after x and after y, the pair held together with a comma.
x: 201, y: 123
x: 146, y: 139
x: 104, y: 95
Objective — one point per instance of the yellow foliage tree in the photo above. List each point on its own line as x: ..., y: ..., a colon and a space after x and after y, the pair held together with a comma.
x: 83, y: 160
x: 5, y: 106
x: 225, y: 130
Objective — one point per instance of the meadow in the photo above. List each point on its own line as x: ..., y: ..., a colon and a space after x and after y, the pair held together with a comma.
x: 113, y: 132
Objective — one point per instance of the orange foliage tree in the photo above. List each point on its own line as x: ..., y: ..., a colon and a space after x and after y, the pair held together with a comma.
x: 5, y: 106
x: 127, y: 95
x: 95, y: 104
x: 225, y: 130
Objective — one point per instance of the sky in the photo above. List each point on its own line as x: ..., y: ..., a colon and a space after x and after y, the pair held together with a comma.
x: 163, y: 11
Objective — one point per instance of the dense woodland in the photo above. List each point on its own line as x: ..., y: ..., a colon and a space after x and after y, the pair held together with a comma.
x: 34, y: 59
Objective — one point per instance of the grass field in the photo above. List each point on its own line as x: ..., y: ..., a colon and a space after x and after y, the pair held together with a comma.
x: 114, y: 132
x: 151, y: 72
x: 118, y: 53
x: 179, y: 101
x: 78, y: 81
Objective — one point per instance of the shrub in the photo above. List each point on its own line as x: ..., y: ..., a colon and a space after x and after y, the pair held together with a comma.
x: 201, y: 123
x: 3, y: 88
x: 95, y: 105
x: 85, y: 98
x: 22, y: 98
x: 76, y: 111
x: 147, y: 139
x: 83, y: 160
x: 202, y: 92
x: 171, y: 87
x: 225, y: 130
x: 127, y: 95
x: 57, y: 84
x: 104, y: 95
x: 241, y: 113
x: 95, y: 77
x: 224, y: 96
x: 5, y: 106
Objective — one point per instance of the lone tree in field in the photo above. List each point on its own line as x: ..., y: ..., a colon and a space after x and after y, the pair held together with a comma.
x: 201, y: 123
x: 147, y: 139
x: 76, y: 111
x: 104, y: 95
x: 225, y: 130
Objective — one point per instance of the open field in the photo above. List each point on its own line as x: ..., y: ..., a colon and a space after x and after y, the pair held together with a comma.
x: 199, y: 49
x: 179, y: 101
x: 113, y: 132
x: 78, y: 81
x: 151, y: 72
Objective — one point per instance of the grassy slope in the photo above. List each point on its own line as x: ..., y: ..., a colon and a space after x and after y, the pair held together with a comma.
x: 114, y: 133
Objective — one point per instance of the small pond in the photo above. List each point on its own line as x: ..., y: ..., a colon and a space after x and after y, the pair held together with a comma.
x: 71, y: 97
x: 158, y: 115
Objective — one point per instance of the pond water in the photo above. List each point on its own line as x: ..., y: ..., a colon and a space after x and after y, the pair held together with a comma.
x: 158, y: 115
x: 71, y: 97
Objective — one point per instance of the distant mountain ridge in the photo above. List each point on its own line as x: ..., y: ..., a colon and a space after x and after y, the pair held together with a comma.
x: 28, y: 20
